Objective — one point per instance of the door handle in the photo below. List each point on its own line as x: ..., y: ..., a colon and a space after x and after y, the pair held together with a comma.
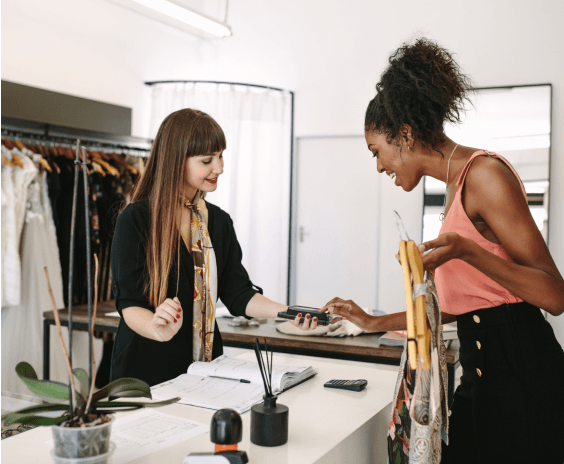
x: 302, y: 234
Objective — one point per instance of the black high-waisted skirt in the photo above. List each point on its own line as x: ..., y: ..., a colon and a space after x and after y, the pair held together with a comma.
x: 509, y: 407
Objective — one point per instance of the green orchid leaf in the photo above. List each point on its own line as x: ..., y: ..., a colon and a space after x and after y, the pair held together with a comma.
x: 40, y: 420
x: 125, y: 387
x: 25, y: 369
x: 114, y: 411
x: 46, y: 388
x: 82, y: 377
x: 32, y: 418
x: 162, y: 403
x: 12, y: 417
x: 139, y: 404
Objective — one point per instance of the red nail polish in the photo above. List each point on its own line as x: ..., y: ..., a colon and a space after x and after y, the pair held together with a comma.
x: 315, y: 319
x: 300, y: 315
x: 177, y: 317
x: 308, y: 316
x: 175, y: 321
x: 180, y: 310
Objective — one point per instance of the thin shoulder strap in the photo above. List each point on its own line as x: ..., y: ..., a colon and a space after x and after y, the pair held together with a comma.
x: 464, y: 172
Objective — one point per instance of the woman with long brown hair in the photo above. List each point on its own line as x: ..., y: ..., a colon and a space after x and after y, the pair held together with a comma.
x: 174, y: 255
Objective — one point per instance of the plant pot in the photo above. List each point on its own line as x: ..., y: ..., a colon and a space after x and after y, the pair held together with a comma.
x: 100, y: 459
x: 82, y: 442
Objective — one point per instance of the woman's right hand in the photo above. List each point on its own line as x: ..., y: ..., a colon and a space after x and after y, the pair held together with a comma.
x: 349, y: 310
x: 167, y: 319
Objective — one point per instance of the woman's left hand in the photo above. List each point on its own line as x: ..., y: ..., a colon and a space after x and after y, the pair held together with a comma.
x: 308, y: 324
x: 442, y: 249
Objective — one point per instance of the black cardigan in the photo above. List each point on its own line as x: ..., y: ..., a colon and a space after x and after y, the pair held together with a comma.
x: 152, y: 361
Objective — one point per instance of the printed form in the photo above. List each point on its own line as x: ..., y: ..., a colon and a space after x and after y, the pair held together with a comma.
x: 148, y: 431
x: 209, y: 392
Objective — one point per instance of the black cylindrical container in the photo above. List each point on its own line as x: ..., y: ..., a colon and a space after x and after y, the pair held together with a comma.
x: 269, y: 423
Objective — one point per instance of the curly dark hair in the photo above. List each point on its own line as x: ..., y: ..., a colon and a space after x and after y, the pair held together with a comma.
x: 423, y: 87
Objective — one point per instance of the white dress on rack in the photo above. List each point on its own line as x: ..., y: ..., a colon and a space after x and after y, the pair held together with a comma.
x: 10, y: 253
x: 22, y: 325
x: 15, y: 182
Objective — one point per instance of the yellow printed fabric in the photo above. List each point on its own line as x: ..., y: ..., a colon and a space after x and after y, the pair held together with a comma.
x: 205, y: 279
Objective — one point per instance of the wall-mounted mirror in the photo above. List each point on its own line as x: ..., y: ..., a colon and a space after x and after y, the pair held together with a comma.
x: 515, y: 123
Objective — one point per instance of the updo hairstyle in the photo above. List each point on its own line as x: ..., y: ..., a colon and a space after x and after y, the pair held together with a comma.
x: 423, y: 87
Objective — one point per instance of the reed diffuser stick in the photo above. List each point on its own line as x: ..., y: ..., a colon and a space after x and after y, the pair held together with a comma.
x: 262, y: 368
x: 268, y: 368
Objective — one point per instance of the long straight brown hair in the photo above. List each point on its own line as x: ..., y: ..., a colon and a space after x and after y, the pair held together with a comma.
x: 182, y: 134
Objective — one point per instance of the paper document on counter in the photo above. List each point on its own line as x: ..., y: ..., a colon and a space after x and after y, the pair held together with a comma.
x: 199, y: 388
x: 147, y: 432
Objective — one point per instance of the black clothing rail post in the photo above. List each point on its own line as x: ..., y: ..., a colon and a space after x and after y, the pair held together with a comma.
x: 292, y: 157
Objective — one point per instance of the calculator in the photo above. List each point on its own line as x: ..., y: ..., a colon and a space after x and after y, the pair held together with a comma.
x: 354, y: 385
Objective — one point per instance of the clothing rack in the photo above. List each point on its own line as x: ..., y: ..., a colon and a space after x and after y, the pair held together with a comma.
x: 40, y: 133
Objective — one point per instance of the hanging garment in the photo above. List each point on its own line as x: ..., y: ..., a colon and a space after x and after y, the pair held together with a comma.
x: 420, y: 406
x: 10, y: 254
x: 22, y: 325
x: 15, y: 183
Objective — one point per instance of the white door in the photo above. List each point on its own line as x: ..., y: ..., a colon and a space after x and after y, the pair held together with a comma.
x: 337, y: 222
x: 345, y: 237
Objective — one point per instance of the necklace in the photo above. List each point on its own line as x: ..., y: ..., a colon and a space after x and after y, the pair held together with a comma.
x: 442, y: 215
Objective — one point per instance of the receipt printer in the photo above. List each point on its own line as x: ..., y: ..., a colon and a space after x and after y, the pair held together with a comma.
x: 227, y: 457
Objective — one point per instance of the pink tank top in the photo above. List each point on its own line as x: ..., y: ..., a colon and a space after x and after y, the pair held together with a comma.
x: 462, y: 288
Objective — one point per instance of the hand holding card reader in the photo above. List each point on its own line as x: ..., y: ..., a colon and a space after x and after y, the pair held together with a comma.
x: 354, y: 385
x: 293, y: 311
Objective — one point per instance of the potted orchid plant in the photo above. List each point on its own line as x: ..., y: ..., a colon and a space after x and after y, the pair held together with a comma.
x: 82, y: 430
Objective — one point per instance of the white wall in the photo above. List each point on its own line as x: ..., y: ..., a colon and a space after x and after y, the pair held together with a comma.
x: 329, y: 52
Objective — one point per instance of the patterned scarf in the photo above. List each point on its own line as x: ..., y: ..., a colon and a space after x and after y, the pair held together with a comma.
x: 205, y: 278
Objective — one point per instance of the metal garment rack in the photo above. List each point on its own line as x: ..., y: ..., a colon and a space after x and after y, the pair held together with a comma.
x: 292, y: 158
x: 41, y: 133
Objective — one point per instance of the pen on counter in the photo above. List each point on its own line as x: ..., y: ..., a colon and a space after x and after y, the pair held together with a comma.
x: 229, y: 378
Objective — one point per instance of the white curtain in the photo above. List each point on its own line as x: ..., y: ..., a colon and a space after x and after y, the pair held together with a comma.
x: 255, y: 186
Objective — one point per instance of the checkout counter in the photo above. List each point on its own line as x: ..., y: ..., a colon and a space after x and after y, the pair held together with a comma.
x: 325, y: 425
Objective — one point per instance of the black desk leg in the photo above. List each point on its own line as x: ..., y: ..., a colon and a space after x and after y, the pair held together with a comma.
x: 46, y: 347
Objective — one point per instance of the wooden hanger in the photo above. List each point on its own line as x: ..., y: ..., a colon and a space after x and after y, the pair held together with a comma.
x: 98, y: 168
x: 43, y: 163
x: 418, y: 334
x: 96, y: 156
x: 120, y: 160
x: 17, y: 160
x: 57, y: 168
x: 8, y: 144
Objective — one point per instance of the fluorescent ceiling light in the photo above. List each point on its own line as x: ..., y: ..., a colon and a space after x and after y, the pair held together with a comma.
x: 186, y: 16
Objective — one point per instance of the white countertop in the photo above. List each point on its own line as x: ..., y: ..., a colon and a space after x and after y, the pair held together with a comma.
x: 326, y: 425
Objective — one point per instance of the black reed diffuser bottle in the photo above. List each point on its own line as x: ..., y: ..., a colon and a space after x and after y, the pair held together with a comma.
x: 269, y: 421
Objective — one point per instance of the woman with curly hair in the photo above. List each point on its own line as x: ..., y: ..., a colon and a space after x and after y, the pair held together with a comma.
x: 493, y: 270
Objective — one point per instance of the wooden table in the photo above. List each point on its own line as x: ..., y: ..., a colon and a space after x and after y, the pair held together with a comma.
x: 361, y: 348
